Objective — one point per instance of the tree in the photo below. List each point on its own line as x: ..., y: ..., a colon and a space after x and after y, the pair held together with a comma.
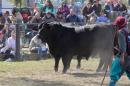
x: 18, y: 2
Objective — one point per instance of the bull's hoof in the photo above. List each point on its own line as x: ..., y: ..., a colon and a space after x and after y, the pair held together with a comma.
x: 98, y: 70
x: 78, y: 67
x: 64, y: 71
x: 56, y: 69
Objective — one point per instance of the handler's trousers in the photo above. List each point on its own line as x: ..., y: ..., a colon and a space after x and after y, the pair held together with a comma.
x: 117, y: 70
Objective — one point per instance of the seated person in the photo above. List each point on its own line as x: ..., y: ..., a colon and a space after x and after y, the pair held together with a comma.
x: 59, y: 17
x: 36, y: 46
x: 102, y: 18
x: 49, y: 17
x: 73, y: 18
x: 10, y: 47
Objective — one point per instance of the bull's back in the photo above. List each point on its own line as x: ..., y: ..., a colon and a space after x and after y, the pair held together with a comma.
x: 98, y: 40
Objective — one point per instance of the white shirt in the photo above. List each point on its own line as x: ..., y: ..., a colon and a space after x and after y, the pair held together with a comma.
x: 11, y: 43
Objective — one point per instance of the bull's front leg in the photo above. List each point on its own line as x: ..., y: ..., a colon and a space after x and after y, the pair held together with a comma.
x: 57, y: 59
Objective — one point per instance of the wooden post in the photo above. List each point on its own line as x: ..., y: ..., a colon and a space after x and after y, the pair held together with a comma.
x: 17, y: 42
x: 18, y: 28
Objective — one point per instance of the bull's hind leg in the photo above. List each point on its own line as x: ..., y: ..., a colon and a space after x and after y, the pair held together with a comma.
x: 69, y: 61
x: 101, y: 63
x: 57, y: 59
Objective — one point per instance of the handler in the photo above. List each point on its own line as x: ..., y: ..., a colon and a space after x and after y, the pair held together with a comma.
x: 121, y: 61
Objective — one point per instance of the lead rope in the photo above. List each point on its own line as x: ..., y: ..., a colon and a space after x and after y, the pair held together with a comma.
x: 105, y: 75
x: 115, y: 27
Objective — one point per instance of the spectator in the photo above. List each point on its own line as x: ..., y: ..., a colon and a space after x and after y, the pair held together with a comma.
x: 121, y: 61
x: 16, y: 17
x: 97, y: 7
x: 115, y: 5
x: 64, y: 9
x: 77, y: 6
x: 102, y: 18
x: 36, y: 46
x: 49, y: 17
x: 25, y: 12
x: 10, y: 47
x: 87, y: 11
x: 122, y: 9
x: 48, y: 7
x: 36, y: 18
x: 59, y: 17
x: 73, y: 18
x: 32, y: 26
x: 108, y: 8
x: 5, y: 19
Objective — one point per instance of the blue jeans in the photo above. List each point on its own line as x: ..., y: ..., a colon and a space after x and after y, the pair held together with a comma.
x: 117, y: 70
x: 40, y: 51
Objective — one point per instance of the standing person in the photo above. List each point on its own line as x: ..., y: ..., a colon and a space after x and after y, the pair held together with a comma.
x: 121, y: 61
x: 108, y: 8
x: 87, y: 11
x: 97, y: 7
x: 122, y: 8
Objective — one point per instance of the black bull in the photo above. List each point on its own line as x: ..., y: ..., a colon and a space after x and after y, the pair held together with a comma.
x: 65, y: 42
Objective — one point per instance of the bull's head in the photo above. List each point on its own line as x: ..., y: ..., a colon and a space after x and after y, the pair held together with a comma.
x: 43, y: 31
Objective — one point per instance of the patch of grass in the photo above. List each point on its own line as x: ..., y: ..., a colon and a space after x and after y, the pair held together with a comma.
x: 41, y: 73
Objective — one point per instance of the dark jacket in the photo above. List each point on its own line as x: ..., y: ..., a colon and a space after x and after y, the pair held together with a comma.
x: 122, y: 8
x: 86, y: 11
x: 97, y: 9
x: 108, y: 9
x: 116, y: 8
x: 72, y: 18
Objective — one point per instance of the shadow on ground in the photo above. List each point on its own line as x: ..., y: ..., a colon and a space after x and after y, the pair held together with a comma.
x: 86, y: 75
x: 24, y: 81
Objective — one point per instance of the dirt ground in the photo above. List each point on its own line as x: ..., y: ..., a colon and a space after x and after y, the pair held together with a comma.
x: 41, y: 73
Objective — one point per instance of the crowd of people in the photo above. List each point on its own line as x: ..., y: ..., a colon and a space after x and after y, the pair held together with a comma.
x: 76, y: 14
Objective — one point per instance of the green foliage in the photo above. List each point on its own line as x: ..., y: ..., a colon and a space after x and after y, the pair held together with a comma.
x: 19, y: 3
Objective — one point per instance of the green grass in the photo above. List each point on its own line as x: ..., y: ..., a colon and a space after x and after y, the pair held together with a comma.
x: 41, y: 73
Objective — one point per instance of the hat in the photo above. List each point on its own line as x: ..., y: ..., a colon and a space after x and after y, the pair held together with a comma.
x: 120, y: 21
